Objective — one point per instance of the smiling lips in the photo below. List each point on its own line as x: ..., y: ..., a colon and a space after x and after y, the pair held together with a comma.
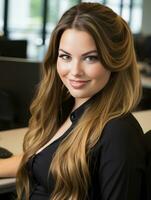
x: 77, y: 84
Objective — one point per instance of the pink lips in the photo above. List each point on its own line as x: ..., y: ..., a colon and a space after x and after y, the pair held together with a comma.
x: 77, y: 84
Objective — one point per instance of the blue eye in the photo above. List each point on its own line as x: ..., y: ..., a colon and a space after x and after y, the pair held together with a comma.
x: 65, y: 57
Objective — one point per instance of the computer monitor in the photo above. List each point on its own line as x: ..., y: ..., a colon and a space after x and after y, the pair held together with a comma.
x: 13, y: 48
x: 19, y: 78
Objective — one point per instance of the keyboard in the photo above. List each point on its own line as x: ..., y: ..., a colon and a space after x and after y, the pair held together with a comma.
x: 5, y: 153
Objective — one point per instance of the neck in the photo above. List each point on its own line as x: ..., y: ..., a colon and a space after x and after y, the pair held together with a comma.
x: 79, y: 102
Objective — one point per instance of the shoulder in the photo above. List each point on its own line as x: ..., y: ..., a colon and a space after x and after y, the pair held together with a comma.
x: 118, y: 159
x: 123, y: 126
x: 121, y: 138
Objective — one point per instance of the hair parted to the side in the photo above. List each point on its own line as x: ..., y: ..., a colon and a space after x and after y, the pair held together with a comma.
x: 115, y: 48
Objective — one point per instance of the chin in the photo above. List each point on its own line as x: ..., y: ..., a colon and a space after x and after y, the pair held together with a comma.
x: 80, y: 95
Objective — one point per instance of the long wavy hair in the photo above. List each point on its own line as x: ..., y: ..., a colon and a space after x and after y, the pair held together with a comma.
x: 70, y: 165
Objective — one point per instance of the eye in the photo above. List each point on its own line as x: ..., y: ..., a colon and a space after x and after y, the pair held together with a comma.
x: 65, y: 57
x: 91, y: 58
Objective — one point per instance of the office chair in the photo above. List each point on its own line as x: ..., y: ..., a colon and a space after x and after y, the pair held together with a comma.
x: 147, y: 49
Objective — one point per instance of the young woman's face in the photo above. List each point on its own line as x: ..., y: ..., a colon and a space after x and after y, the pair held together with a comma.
x: 78, y: 65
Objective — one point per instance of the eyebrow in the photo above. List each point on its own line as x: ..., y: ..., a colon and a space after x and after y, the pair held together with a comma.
x: 84, y: 54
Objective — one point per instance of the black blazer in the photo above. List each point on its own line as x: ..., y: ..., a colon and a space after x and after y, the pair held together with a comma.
x: 147, y: 183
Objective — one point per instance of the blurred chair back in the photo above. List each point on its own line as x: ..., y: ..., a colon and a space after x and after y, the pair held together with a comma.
x: 147, y: 50
x: 7, y: 111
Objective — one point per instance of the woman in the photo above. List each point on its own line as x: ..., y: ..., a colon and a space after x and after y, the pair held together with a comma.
x: 83, y: 142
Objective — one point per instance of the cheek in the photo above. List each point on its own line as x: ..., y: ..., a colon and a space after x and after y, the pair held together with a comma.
x: 99, y: 72
x: 61, y: 69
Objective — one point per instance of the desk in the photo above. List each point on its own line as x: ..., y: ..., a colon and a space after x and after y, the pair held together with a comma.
x: 144, y: 118
x: 12, y: 140
x: 146, y: 81
x: 7, y: 185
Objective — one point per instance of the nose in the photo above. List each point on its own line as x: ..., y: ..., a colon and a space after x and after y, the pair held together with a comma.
x: 76, y: 68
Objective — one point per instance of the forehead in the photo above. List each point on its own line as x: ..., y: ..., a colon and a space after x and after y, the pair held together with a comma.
x: 77, y: 41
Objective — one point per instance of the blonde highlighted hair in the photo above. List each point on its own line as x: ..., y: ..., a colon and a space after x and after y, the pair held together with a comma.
x: 115, y: 48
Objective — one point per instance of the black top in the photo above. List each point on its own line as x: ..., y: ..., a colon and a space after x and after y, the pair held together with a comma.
x: 117, y: 161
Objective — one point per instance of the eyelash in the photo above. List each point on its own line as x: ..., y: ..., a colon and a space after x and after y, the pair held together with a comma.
x: 92, y: 58
x: 64, y: 57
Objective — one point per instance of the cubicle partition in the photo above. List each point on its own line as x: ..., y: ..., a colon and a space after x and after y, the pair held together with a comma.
x: 19, y: 79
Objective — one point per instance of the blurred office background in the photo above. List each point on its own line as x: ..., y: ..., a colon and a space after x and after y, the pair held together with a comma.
x: 33, y: 20
x: 25, y: 29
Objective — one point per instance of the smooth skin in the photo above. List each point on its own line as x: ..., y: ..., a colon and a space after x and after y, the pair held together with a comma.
x: 79, y: 67
x: 9, y: 166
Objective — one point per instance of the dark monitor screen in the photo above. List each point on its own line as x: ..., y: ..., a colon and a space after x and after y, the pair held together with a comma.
x: 13, y: 48
x: 19, y: 78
